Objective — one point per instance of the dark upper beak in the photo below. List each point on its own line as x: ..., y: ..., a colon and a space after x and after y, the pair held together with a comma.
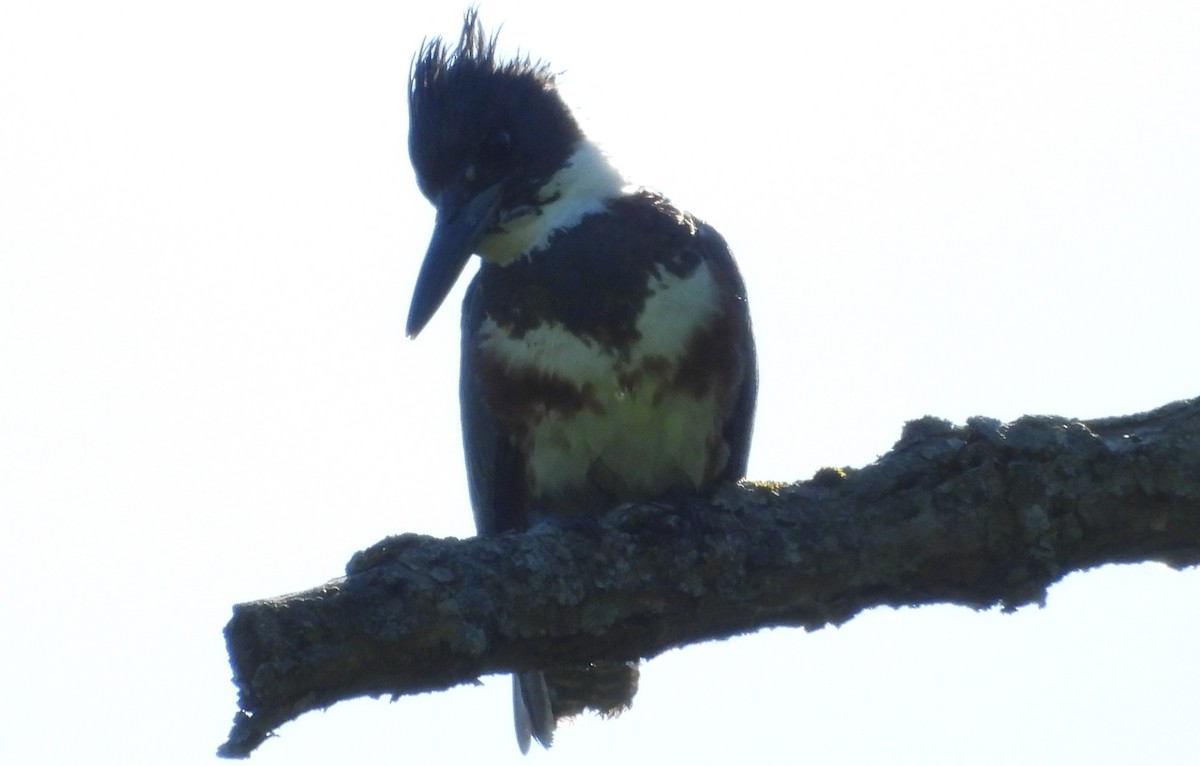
x: 460, y: 225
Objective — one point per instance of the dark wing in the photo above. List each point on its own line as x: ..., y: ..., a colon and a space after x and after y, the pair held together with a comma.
x: 495, y: 470
x: 739, y: 421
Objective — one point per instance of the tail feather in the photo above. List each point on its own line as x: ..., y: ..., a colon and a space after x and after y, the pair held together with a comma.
x: 532, y: 711
x: 541, y: 699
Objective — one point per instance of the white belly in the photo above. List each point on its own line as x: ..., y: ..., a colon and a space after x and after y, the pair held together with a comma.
x: 638, y: 447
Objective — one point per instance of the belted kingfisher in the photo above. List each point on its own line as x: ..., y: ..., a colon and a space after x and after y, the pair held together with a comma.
x: 607, y: 355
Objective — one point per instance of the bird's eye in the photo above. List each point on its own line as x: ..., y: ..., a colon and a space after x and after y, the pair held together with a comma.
x: 497, y: 145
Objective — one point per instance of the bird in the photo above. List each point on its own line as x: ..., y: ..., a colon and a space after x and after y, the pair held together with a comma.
x: 607, y: 352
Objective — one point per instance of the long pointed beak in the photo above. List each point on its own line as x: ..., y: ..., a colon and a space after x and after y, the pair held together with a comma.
x: 456, y: 234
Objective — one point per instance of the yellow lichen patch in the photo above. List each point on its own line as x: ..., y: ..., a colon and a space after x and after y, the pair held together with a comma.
x: 767, y: 486
x: 828, y: 476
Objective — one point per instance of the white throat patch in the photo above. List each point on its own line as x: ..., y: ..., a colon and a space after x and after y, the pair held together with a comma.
x: 581, y: 188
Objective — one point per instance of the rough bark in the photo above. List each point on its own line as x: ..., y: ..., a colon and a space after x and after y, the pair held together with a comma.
x: 981, y: 515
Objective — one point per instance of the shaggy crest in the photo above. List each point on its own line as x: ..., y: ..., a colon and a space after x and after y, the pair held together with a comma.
x: 461, y: 97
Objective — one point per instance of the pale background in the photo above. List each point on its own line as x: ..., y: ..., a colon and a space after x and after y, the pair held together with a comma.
x: 209, y: 232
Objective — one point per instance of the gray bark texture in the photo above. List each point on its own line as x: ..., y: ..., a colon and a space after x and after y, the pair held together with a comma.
x: 981, y: 515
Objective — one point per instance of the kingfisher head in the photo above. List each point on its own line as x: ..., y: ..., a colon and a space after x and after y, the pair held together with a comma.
x: 489, y: 141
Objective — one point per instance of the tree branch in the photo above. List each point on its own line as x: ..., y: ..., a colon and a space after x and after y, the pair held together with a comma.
x: 983, y: 514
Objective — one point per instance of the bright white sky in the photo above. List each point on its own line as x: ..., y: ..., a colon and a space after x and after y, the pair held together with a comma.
x: 209, y: 232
